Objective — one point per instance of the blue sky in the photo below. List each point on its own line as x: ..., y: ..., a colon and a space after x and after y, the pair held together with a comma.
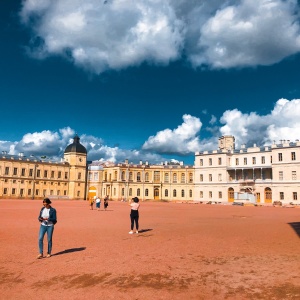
x: 145, y: 80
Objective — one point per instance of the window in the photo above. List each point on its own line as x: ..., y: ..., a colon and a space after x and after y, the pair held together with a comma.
x: 245, y: 161
x: 138, y: 176
x: 13, y: 191
x: 201, y: 194
x: 79, y: 175
x: 294, y: 175
x: 65, y: 193
x: 15, y: 171
x: 210, y: 177
x: 78, y: 193
x: 166, y: 193
x: 182, y: 178
x: 220, y: 195
x: 130, y: 176
x: 21, y: 192
x: 115, y: 175
x: 38, y: 173
x: 156, y: 176
x: 6, y: 170
x: 146, y: 192
x: 182, y: 193
x: 281, y: 195
x: 219, y: 161
x: 253, y: 160
x: 66, y: 175
x: 210, y: 194
x: 29, y: 192
x: 123, y: 192
x: 279, y: 156
x: 201, y: 162
x: 130, y: 192
x: 96, y: 176
x: 201, y: 177
x: 191, y: 193
x: 280, y: 175
x: 220, y: 177
x: 190, y: 177
x: 5, y: 191
x: 138, y: 192
x: 90, y: 176
x: 263, y: 160
x: 23, y: 172
x: 271, y: 159
x: 52, y: 174
x: 44, y: 193
x: 295, y: 197
x: 210, y: 161
x: 147, y: 177
x: 293, y: 155
x: 166, y: 177
x: 236, y: 161
x: 37, y: 192
x: 174, y: 178
x: 174, y: 193
x: 59, y: 174
x: 123, y: 175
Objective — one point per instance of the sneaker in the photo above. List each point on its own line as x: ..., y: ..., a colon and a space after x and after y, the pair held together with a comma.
x: 130, y: 232
x: 48, y: 255
x: 136, y: 232
x: 40, y: 256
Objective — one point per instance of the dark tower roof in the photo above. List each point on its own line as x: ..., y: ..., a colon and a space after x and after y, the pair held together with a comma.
x: 76, y: 147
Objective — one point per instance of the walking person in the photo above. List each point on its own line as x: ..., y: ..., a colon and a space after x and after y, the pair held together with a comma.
x: 105, y: 202
x: 98, y: 203
x: 92, y: 200
x: 48, y: 219
x: 134, y: 214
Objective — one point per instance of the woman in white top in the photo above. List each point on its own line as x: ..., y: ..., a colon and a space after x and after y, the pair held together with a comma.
x: 134, y: 214
x: 48, y: 219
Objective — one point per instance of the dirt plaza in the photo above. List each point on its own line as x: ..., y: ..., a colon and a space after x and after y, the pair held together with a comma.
x: 183, y: 251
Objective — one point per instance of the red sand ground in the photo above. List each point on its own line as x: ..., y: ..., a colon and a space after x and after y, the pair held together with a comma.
x: 185, y: 251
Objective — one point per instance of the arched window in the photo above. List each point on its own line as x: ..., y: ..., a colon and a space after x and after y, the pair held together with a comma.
x: 174, y: 177
x: 138, y: 176
x: 146, y: 192
x: 191, y: 193
x: 147, y: 177
x: 182, y: 193
x: 130, y: 176
x: 174, y: 193
x: 130, y: 192
x: 182, y: 178
x: 123, y: 192
x: 138, y: 192
x: 166, y: 177
x: 123, y: 175
x: 115, y: 175
x: 190, y: 177
x: 166, y: 193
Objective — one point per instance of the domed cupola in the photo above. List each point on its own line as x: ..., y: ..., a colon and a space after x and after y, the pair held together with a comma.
x: 75, y: 147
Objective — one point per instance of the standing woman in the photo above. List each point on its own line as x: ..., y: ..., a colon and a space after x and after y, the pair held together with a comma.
x: 134, y: 214
x: 48, y: 219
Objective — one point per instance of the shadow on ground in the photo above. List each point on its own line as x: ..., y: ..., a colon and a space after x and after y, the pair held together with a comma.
x: 296, y: 227
x: 144, y: 230
x: 70, y: 251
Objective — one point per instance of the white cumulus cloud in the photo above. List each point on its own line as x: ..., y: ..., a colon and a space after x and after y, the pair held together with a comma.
x: 114, y: 34
x: 184, y: 139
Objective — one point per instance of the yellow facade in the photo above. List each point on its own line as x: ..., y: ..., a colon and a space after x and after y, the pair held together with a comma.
x: 33, y: 178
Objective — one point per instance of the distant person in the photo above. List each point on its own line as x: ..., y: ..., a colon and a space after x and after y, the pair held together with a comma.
x: 134, y: 214
x: 105, y: 202
x: 92, y: 201
x: 98, y: 203
x: 48, y: 219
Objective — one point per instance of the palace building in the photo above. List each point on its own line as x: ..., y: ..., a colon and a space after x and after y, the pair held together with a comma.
x: 255, y: 174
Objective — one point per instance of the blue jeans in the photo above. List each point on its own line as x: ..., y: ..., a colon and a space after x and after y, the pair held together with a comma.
x: 43, y: 230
